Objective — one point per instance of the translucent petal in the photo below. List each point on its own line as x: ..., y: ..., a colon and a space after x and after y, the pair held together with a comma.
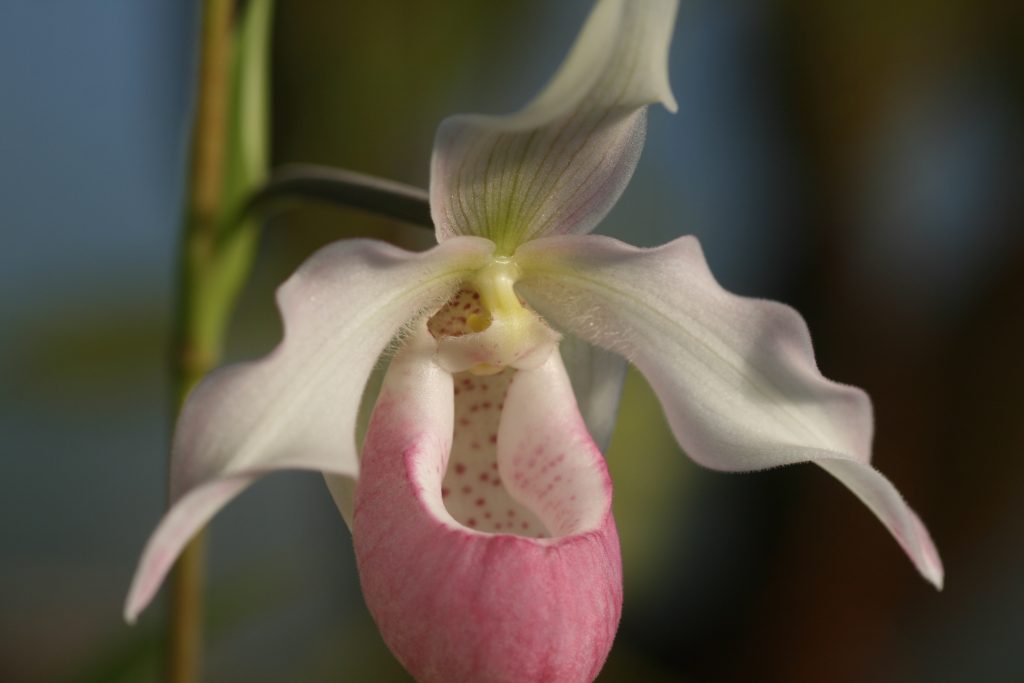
x: 296, y: 408
x: 558, y: 165
x: 736, y: 376
x: 597, y: 377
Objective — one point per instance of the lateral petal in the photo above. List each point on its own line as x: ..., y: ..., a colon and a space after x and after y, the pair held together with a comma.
x: 559, y: 164
x: 296, y: 408
x: 597, y: 377
x: 736, y: 376
x: 455, y: 603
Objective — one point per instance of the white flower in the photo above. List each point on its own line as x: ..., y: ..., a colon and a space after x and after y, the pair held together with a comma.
x: 481, y: 517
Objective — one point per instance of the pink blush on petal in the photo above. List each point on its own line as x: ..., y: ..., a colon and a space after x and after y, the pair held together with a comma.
x: 455, y: 603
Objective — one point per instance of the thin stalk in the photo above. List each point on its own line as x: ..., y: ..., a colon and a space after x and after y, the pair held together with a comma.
x: 309, y: 182
x: 198, y: 336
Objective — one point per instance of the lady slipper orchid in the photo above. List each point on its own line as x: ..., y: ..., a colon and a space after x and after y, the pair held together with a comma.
x: 481, y: 513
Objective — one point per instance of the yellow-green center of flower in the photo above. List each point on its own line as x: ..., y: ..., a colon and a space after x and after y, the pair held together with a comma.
x: 486, y: 327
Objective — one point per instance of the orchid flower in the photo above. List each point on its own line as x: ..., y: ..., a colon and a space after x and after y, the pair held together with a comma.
x: 480, y: 507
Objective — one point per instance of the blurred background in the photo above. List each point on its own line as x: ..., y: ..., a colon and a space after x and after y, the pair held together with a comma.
x: 862, y: 161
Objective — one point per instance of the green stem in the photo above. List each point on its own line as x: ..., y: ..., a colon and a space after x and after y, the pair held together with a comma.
x: 198, y: 336
x: 185, y: 634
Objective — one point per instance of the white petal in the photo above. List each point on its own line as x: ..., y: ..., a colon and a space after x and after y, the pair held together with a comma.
x: 296, y: 408
x: 558, y: 165
x: 736, y: 377
x: 597, y: 377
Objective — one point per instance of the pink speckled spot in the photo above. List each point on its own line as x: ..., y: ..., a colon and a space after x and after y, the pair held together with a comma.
x: 451, y: 320
x: 474, y: 454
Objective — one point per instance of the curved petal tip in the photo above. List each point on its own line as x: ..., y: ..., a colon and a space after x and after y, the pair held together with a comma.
x: 737, y: 377
x: 559, y: 164
x: 927, y: 558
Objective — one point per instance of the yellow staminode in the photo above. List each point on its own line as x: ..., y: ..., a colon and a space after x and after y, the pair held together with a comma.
x: 496, y: 284
x: 517, y: 326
